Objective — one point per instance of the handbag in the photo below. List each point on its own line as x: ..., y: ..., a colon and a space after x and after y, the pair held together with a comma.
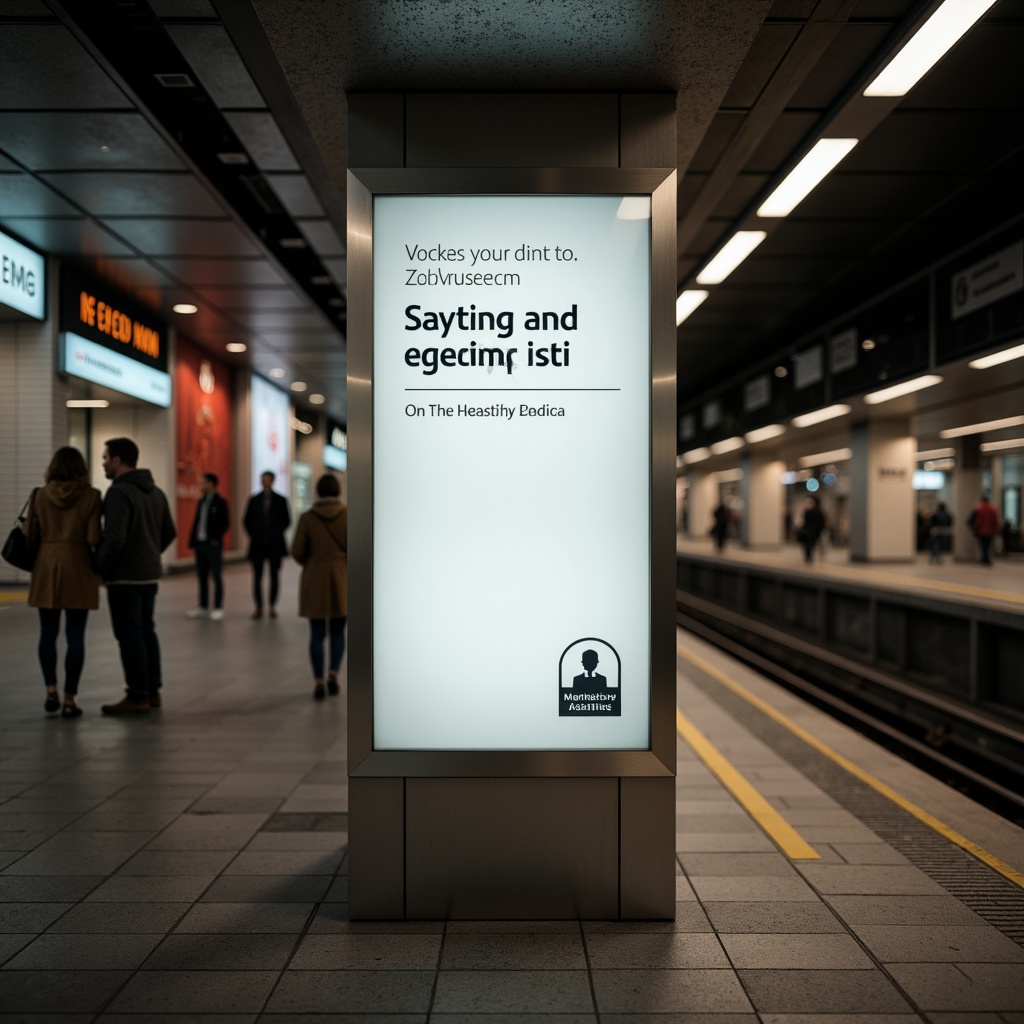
x: 19, y: 550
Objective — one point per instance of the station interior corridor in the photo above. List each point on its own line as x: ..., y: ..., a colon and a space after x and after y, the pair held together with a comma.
x: 189, y: 865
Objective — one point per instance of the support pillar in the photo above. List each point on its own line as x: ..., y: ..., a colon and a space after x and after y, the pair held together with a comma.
x: 764, y: 498
x: 967, y: 489
x: 882, y: 509
x: 703, y: 497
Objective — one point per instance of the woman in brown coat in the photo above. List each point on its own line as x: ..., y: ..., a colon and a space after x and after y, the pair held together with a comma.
x: 320, y: 546
x: 65, y: 522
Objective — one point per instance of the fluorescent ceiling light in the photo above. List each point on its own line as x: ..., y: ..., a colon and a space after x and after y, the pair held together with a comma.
x: 998, y: 446
x: 800, y: 181
x: 730, y: 256
x: 236, y: 346
x: 87, y: 403
x: 764, y: 433
x: 927, y: 46
x: 981, y: 428
x: 730, y: 444
x: 729, y: 476
x: 186, y: 308
x: 687, y: 302
x: 302, y: 426
x: 908, y: 387
x: 634, y: 208
x: 298, y: 385
x: 696, y: 455
x: 808, y: 419
x: 1017, y: 352
x: 935, y: 453
x: 317, y: 399
x: 276, y: 373
x: 824, y: 458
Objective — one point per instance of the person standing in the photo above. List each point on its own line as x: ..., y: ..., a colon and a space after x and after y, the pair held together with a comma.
x: 266, y: 519
x: 811, y: 528
x: 137, y: 528
x: 211, y: 522
x: 320, y: 546
x: 984, y: 521
x: 722, y: 517
x: 65, y: 522
x: 940, y: 530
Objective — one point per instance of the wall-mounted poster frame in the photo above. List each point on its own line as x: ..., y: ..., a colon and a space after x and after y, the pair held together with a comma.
x: 657, y: 758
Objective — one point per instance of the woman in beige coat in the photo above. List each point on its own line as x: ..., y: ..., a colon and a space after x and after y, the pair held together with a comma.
x: 320, y: 546
x: 64, y: 519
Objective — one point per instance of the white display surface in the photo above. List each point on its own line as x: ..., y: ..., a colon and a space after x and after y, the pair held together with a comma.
x: 271, y: 436
x: 101, y: 365
x: 22, y: 278
x: 504, y: 539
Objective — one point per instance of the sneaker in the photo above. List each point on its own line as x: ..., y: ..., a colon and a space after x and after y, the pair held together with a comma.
x: 217, y: 614
x: 196, y: 613
x: 128, y: 706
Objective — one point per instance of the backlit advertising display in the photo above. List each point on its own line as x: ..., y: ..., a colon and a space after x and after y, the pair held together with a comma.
x: 202, y: 430
x: 511, y: 414
x: 271, y: 435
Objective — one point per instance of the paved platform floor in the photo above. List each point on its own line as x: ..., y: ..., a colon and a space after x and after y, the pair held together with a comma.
x: 190, y: 867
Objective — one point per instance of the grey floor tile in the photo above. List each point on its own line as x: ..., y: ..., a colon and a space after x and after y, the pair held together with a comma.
x: 12, y: 943
x: 381, y: 952
x: 23, y: 840
x: 46, y: 1018
x: 505, y: 927
x: 246, y: 918
x: 195, y: 992
x: 178, y: 1018
x: 238, y: 804
x: 338, y: 891
x: 864, y: 992
x: 869, y: 853
x: 85, y: 953
x: 721, y: 864
x: 939, y: 943
x: 342, y: 1018
x: 194, y: 839
x: 724, y: 842
x: 690, y: 917
x: 846, y: 1018
x: 962, y: 987
x: 904, y: 910
x: 30, y: 917
x: 484, y: 992
x: 509, y: 952
x: 680, y: 1018
x: 870, y: 880
x: 795, y: 952
x: 268, y: 889
x: 654, y: 952
x: 352, y: 992
x: 967, y: 1018
x: 514, y: 1018
x: 177, y: 862
x: 119, y: 918
x: 753, y: 888
x: 36, y: 889
x: 772, y: 918
x: 693, y: 991
x: 206, y: 952
x: 32, y: 992
x: 295, y: 862
x: 298, y: 841
x: 333, y: 919
x: 151, y: 889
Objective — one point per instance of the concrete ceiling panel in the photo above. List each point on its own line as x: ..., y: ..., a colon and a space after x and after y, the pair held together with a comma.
x: 296, y: 194
x: 172, y: 236
x: 252, y: 273
x: 137, y: 194
x: 216, y: 63
x: 65, y: 236
x: 21, y: 195
x: 263, y: 140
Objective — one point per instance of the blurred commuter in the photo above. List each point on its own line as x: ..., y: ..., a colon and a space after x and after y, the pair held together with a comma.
x: 266, y: 519
x: 64, y: 522
x: 137, y: 527
x: 939, y: 533
x: 207, y: 540
x: 984, y: 521
x: 721, y: 519
x: 812, y: 526
x: 320, y: 546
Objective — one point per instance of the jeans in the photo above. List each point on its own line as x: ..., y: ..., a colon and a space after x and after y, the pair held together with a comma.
x: 131, y: 615
x: 986, y: 550
x: 209, y: 559
x: 74, y: 633
x: 317, y: 633
x: 274, y: 561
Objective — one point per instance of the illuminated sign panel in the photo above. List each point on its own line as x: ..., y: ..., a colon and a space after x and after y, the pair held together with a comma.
x: 114, y: 370
x: 511, y: 479
x: 271, y: 435
x: 22, y: 278
x: 336, y: 447
x: 94, y: 311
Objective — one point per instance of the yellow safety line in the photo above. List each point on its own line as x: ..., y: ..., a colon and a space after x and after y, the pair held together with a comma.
x: 913, y: 582
x: 10, y: 598
x: 866, y: 777
x: 779, y: 830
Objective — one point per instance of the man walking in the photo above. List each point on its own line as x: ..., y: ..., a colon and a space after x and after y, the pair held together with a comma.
x: 984, y: 521
x: 137, y: 527
x: 207, y: 540
x: 266, y: 519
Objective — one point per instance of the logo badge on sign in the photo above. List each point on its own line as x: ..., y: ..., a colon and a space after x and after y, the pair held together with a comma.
x: 589, y: 680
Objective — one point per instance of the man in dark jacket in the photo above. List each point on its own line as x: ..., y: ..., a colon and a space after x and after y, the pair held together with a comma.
x: 137, y: 527
x: 266, y: 519
x: 207, y: 540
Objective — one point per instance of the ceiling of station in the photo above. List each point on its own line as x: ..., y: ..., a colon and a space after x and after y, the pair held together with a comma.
x: 103, y: 165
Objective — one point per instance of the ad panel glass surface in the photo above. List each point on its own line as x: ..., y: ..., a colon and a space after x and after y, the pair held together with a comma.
x: 512, y: 455
x: 271, y: 441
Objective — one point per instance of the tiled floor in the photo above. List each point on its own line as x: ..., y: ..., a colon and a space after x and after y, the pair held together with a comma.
x: 190, y: 867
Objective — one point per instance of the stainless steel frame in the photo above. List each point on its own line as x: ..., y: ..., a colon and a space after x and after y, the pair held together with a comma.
x: 363, y: 185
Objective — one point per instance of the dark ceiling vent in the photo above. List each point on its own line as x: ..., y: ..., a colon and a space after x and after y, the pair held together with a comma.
x: 176, y: 81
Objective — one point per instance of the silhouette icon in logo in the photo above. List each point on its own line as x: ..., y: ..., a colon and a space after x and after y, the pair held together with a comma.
x: 589, y: 677
x: 589, y: 694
